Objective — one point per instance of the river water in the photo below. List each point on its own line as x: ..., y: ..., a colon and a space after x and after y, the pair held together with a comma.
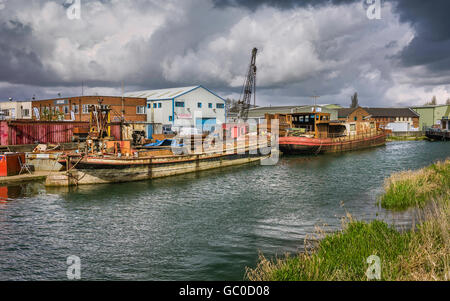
x: 203, y: 226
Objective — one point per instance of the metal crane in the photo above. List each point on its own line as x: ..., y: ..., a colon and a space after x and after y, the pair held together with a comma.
x: 248, y: 89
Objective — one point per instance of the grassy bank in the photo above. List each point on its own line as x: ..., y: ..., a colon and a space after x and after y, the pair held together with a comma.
x: 422, y: 253
x: 405, y: 138
x: 416, y: 188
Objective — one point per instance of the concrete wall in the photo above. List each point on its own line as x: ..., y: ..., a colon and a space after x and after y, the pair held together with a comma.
x: 407, y: 134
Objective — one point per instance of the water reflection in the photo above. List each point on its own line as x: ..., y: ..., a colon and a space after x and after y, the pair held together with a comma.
x: 9, y: 193
x: 199, y: 226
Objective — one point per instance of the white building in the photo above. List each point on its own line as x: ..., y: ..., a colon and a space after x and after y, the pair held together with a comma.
x: 169, y: 109
x: 15, y: 110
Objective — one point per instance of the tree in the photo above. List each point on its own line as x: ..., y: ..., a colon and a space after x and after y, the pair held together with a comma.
x: 232, y: 105
x: 433, y: 102
x: 355, y: 102
x: 448, y: 101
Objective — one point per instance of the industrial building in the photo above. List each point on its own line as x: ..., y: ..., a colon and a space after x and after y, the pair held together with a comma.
x: 170, y: 109
x: 128, y: 109
x: 258, y: 114
x: 11, y: 110
x: 395, y: 119
x: 432, y: 115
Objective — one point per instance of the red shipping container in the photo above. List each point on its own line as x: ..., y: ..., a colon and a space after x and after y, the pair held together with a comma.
x: 10, y: 165
x: 22, y: 132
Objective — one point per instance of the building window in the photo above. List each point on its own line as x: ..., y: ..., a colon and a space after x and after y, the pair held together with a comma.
x: 356, y: 118
x: 199, y: 105
x: 159, y: 105
x: 170, y: 118
x: 85, y: 109
x: 352, y: 127
x: 179, y: 104
x: 56, y: 109
x: 66, y: 109
x: 76, y: 109
x: 26, y: 112
x: 210, y: 105
x: 149, y: 106
x: 220, y: 105
x: 155, y: 105
x: 140, y: 110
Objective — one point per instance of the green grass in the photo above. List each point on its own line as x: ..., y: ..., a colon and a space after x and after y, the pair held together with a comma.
x: 342, y: 256
x: 422, y: 253
x: 416, y: 188
x: 405, y: 138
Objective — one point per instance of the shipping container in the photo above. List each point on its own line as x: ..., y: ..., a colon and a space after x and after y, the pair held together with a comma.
x: 23, y: 132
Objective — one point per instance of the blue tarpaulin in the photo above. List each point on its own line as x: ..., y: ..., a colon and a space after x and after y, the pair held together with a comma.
x: 165, y: 142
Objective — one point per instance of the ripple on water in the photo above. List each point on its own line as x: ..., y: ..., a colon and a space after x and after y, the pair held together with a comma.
x: 204, y: 226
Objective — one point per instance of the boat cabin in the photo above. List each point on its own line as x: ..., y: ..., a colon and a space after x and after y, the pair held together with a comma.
x: 312, y: 124
x: 319, y: 125
x: 445, y: 124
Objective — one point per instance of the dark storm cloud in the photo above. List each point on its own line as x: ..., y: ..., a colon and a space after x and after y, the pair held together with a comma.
x: 18, y: 63
x: 330, y: 47
x: 431, y: 21
x: 253, y: 4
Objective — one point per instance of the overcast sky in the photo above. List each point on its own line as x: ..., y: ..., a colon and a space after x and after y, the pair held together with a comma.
x: 326, y: 47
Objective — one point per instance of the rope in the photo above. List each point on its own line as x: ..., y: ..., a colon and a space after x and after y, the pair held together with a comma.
x: 320, y: 147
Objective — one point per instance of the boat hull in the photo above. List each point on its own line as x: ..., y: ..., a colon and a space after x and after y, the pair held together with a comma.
x: 101, y: 171
x: 308, y: 146
x: 438, y: 135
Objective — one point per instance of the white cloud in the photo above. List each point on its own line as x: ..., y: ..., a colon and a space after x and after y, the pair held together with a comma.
x: 330, y: 50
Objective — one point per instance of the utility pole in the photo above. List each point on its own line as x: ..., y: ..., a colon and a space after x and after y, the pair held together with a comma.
x: 315, y: 101
x: 123, y: 108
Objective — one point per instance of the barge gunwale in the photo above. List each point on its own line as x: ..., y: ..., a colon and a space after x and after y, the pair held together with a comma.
x: 305, y: 146
x: 96, y: 170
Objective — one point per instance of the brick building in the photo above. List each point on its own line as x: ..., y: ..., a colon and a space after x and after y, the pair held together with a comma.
x: 76, y: 108
x: 355, y: 116
x: 385, y: 116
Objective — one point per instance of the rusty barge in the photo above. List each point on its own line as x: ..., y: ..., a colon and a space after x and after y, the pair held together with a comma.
x: 315, y: 133
x: 92, y: 169
x: 106, y: 160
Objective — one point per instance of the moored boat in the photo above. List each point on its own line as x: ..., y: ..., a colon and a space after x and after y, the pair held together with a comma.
x: 315, y: 133
x: 84, y: 169
x: 440, y: 131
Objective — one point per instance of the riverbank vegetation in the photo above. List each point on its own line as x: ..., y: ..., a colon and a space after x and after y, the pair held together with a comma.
x: 405, y: 138
x: 416, y: 188
x: 422, y: 253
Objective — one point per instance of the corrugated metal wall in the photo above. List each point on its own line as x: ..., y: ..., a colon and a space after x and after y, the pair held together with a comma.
x: 4, y: 133
x: 31, y: 132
